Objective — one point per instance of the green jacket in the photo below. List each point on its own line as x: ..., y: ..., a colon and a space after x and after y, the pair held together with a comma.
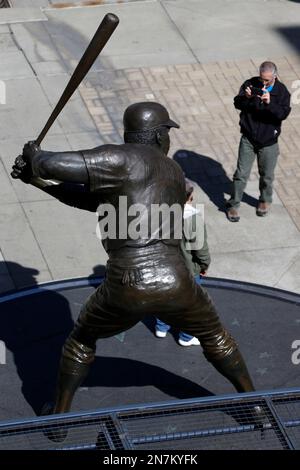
x: 196, y: 260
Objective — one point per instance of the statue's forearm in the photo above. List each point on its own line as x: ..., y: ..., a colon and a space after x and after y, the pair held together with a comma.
x: 41, y: 183
x: 74, y: 195
x: 68, y: 167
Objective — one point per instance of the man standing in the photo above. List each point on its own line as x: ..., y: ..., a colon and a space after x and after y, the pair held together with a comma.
x: 264, y: 103
x: 143, y: 275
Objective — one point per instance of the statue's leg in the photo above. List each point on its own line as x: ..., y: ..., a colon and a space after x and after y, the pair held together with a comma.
x: 79, y: 350
x: 74, y: 367
x: 221, y: 350
x: 232, y: 366
x: 200, y: 319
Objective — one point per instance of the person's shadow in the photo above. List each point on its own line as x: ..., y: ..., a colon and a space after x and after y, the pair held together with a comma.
x: 118, y: 372
x: 34, y: 328
x: 210, y: 176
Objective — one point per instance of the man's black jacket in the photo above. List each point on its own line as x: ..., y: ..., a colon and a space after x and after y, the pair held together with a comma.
x: 261, y: 122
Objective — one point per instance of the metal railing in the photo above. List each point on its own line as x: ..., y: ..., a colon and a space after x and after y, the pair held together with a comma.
x: 220, y: 422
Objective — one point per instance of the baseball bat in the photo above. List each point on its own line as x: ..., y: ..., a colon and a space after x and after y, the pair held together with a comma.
x: 101, y: 37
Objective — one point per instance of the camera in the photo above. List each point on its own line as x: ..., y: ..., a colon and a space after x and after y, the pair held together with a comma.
x: 255, y: 91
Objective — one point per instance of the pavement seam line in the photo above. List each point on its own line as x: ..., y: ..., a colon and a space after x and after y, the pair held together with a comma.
x: 65, y: 64
x: 179, y: 32
x: 36, y: 240
x: 7, y: 272
x: 36, y: 75
x: 21, y: 50
x: 10, y: 182
x: 20, y: 203
x: 294, y: 261
x: 18, y: 199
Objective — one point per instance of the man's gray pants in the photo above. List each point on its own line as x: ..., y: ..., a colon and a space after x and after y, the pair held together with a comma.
x: 266, y: 161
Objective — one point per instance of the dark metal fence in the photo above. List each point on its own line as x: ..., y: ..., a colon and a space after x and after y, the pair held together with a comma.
x: 221, y: 422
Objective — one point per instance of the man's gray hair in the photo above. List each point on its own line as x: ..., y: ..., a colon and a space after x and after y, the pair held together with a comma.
x: 268, y: 67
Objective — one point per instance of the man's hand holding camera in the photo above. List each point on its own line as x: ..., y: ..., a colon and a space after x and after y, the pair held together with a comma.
x: 266, y: 97
x: 248, y: 92
x: 262, y: 93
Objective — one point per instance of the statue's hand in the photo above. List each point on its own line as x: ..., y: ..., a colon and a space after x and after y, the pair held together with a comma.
x: 30, y: 149
x: 21, y: 170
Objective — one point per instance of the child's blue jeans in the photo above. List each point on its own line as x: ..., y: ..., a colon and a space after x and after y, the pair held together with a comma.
x: 161, y: 326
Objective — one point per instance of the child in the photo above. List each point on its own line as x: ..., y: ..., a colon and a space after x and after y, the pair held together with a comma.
x: 197, y: 261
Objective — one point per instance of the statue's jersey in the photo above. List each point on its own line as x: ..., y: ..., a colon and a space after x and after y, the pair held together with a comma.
x: 142, y: 195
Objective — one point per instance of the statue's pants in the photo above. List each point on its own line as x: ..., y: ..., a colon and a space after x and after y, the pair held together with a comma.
x: 142, y: 282
x: 139, y: 282
x: 146, y: 281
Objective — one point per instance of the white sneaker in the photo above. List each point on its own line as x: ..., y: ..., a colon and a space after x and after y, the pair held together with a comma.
x: 192, y: 342
x: 160, y: 334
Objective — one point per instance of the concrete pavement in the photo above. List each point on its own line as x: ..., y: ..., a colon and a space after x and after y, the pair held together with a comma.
x: 190, y: 55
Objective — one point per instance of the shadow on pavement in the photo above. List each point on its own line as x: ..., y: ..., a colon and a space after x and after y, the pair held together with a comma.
x: 291, y: 34
x: 210, y: 176
x: 34, y: 330
x: 124, y: 372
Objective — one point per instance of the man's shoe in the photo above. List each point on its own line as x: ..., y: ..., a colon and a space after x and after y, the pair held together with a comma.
x: 233, y: 215
x: 160, y: 334
x: 192, y: 342
x: 263, y: 209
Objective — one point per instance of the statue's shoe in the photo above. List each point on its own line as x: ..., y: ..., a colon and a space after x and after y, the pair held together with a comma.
x: 56, y: 433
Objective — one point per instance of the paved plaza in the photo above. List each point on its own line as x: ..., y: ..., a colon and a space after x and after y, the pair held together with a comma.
x: 191, y: 56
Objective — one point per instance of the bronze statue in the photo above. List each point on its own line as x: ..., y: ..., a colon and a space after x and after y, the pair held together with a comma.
x: 144, y: 275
